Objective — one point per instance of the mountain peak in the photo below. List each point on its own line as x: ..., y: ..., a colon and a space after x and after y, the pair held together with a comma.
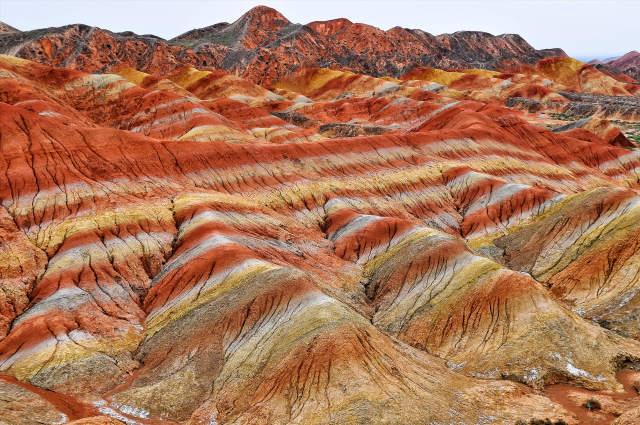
x: 264, y: 15
x: 264, y: 46
x: 260, y: 25
x: 628, y: 64
x: 631, y: 54
x: 6, y: 28
x: 257, y: 26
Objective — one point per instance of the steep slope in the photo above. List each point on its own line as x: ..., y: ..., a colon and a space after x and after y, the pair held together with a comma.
x: 447, y: 268
x: 20, y: 264
x: 628, y: 64
x: 6, y: 28
x: 264, y: 46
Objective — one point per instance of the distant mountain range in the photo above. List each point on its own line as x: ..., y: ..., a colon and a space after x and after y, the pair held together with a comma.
x: 264, y: 46
x: 628, y: 64
x: 6, y: 28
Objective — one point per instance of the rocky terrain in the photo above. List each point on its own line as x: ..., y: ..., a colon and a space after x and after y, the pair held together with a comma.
x: 628, y: 64
x: 6, y: 28
x: 180, y: 244
x: 264, y: 46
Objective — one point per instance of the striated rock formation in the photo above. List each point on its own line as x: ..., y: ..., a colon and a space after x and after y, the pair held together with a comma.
x: 611, y: 256
x: 264, y: 46
x: 628, y: 64
x: 428, y: 289
x: 191, y: 247
x: 20, y: 264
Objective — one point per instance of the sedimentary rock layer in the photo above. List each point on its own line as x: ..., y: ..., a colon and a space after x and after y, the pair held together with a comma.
x: 191, y: 247
x: 264, y: 46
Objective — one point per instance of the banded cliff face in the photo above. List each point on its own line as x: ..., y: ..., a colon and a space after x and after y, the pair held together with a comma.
x: 191, y: 247
x: 628, y: 64
x: 264, y: 46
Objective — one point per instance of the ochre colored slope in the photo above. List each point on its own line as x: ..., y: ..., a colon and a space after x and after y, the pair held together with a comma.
x: 194, y: 248
x: 264, y: 46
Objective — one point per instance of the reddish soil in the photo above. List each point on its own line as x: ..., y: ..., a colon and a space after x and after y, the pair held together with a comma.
x: 613, y: 403
x: 71, y: 407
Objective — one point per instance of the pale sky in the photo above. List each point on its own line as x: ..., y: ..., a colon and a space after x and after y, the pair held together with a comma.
x: 583, y: 28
